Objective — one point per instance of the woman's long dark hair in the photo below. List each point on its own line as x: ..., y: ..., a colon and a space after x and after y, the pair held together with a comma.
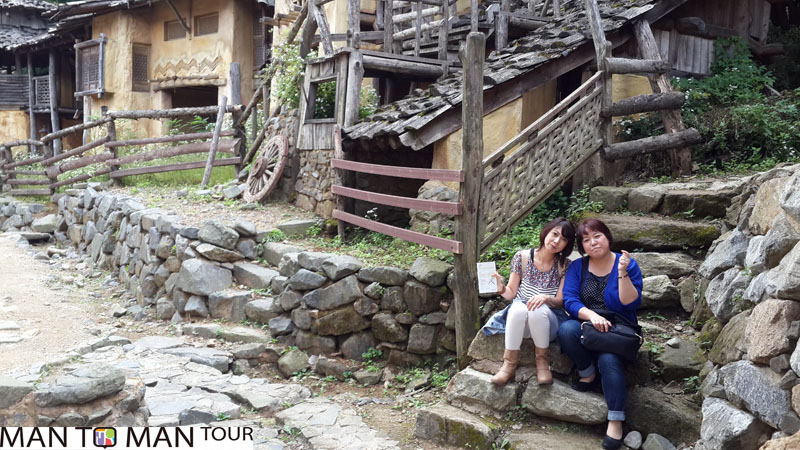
x: 568, y: 231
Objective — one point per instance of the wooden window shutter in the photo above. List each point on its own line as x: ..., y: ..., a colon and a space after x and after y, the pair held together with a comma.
x: 208, y: 24
x: 90, y: 70
x: 258, y: 43
x: 140, y: 68
x: 173, y: 30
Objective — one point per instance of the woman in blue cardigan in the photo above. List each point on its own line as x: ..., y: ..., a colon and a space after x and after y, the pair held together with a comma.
x: 601, y: 280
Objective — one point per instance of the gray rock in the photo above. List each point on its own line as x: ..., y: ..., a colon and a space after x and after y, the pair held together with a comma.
x: 492, y: 347
x: 673, y: 265
x: 248, y: 248
x: 757, y: 289
x: 449, y: 425
x: 432, y: 272
x: 650, y: 411
x: 302, y: 318
x: 164, y: 309
x: 405, y: 318
x: 393, y: 299
x: 314, y: 344
x: 687, y: 288
x: 245, y: 228
x: 645, y: 198
x: 290, y: 300
x: 342, y: 292
x: 234, y: 191
x: 278, y: 284
x: 474, y: 391
x: 220, y: 254
x: 768, y: 328
x: 304, y: 280
x: 355, y: 345
x: 784, y: 281
x: 661, y: 234
x: 298, y: 227
x: 560, y: 401
x: 704, y: 203
x: 196, y: 306
x: 280, y: 326
x: 248, y: 351
x: 658, y: 292
x: 725, y: 294
x: 374, y: 291
x: 263, y: 309
x: 422, y: 339
x: 422, y: 299
x: 340, y: 266
x: 385, y: 328
x: 683, y: 361
x: 189, y: 232
x: 389, y: 276
x: 211, y: 357
x: 293, y: 362
x: 790, y: 196
x: 612, y: 198
x: 46, y: 224
x: 84, y: 384
x: 228, y: 304
x: 204, y: 330
x: 780, y: 239
x: 12, y: 391
x: 365, y: 306
x: 253, y: 276
x: 757, y: 388
x: 243, y: 334
x: 201, y: 278
x: 365, y: 377
x: 219, y: 234
x: 158, y: 342
x: 15, y: 222
x: 339, y: 321
x: 289, y: 265
x: 313, y: 260
x: 657, y: 442
x: 274, y: 251
x: 729, y: 252
x: 633, y: 440
x: 756, y: 257
x: 730, y: 345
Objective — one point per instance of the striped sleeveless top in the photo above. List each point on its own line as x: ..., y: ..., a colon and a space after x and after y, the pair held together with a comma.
x: 532, y: 281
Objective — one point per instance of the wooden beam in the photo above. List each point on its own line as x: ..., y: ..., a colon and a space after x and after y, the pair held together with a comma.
x: 501, y: 27
x: 400, y: 233
x: 398, y: 66
x: 417, y: 28
x: 212, y: 152
x: 54, y: 91
x: 170, y: 138
x: 28, y: 182
x: 627, y: 65
x: 352, y: 98
x: 400, y: 172
x: 670, y: 141
x: 466, y: 227
x: 180, y: 19
x: 24, y: 192
x: 322, y: 24
x: 451, y: 208
x: 681, y: 158
x: 31, y: 101
x: 24, y: 162
x: 388, y: 27
x: 173, y: 167
x: 645, y: 103
x: 444, y: 30
x: 411, y: 32
x: 74, y: 129
x: 354, y: 23
x: 171, y: 113
x: 75, y: 151
x: 226, y: 146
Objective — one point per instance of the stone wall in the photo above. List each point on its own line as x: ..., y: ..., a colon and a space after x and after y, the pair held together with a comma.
x: 322, y: 303
x: 314, y: 180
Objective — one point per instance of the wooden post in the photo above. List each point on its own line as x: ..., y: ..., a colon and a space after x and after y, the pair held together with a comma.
x: 473, y: 16
x: 54, y: 91
x: 322, y: 24
x: 111, y: 131
x: 307, y: 37
x: 235, y: 83
x: 17, y: 63
x: 338, y: 177
x: 556, y: 8
x: 418, y: 28
x: 501, y: 38
x: 212, y: 152
x: 681, y: 159
x: 354, y: 23
x: 388, y: 27
x: 466, y: 229
x: 236, y: 116
x: 31, y: 101
x: 444, y: 30
x: 352, y: 100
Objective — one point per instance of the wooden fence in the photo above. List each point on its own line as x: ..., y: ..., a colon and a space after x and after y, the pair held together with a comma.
x: 42, y: 175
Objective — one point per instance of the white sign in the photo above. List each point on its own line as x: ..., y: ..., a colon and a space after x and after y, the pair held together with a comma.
x: 486, y: 282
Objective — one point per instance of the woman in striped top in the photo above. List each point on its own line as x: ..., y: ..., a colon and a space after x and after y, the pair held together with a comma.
x: 535, y: 286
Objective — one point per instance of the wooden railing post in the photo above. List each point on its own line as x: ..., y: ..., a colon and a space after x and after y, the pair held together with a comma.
x: 111, y: 132
x: 466, y: 228
x: 212, y: 152
x: 31, y: 102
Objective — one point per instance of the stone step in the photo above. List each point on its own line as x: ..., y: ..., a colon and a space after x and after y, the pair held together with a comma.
x: 552, y: 440
x: 690, y: 200
x: 640, y: 233
x: 487, y: 353
x: 446, y: 424
x: 323, y: 424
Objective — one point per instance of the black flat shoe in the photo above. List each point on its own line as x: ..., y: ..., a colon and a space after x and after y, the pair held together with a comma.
x: 584, y: 386
x: 610, y: 443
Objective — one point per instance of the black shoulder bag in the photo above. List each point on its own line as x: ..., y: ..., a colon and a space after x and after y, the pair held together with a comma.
x: 623, y: 338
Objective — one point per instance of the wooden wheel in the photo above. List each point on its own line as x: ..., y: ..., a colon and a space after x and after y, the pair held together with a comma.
x: 267, y: 169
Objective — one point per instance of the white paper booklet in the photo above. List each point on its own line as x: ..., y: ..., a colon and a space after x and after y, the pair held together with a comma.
x: 486, y: 283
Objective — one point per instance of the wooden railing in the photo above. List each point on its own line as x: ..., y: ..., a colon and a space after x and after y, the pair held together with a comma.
x: 24, y: 174
x: 539, y: 160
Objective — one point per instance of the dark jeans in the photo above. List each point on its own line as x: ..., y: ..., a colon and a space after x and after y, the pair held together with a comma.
x: 609, y: 365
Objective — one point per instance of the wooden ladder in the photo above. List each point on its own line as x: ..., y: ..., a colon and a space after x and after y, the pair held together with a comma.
x: 677, y: 138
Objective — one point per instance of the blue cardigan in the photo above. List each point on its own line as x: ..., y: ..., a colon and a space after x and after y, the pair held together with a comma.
x: 572, y: 289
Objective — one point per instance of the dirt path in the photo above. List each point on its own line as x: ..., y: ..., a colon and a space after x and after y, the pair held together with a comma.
x: 50, y: 316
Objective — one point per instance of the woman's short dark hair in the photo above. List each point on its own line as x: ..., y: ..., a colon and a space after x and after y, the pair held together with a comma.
x: 593, y: 225
x: 567, y: 230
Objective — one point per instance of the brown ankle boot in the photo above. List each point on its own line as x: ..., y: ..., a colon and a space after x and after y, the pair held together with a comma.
x: 543, y: 374
x: 510, y: 361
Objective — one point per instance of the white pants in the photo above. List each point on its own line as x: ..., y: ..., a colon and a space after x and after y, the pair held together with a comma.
x: 540, y: 324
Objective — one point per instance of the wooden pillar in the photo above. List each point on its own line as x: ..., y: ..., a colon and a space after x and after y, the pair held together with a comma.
x: 501, y: 38
x: 388, y: 27
x: 17, y: 63
x: 473, y: 16
x: 31, y: 101
x: 444, y: 30
x: 111, y: 131
x: 236, y: 99
x: 54, y: 84
x: 418, y: 28
x: 352, y: 100
x: 466, y: 230
x: 681, y: 159
x: 308, y: 36
x: 354, y: 23
x: 212, y: 152
x: 322, y: 24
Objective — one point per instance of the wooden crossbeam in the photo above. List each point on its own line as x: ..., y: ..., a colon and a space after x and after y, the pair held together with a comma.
x: 669, y: 141
x: 173, y: 167
x: 401, y: 172
x: 400, y: 233
x: 645, y: 103
x: 450, y: 208
x: 627, y: 65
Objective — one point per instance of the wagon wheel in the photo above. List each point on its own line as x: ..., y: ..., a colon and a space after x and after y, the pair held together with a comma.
x: 267, y: 169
